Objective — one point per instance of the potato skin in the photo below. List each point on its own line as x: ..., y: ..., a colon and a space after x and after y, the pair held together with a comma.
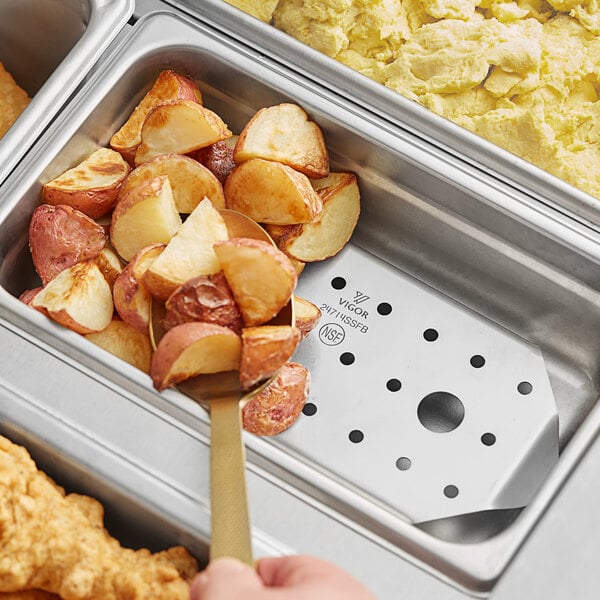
x: 205, y: 298
x: 307, y: 315
x: 217, y: 157
x: 275, y: 408
x: 61, y: 236
x: 131, y: 297
x: 28, y: 295
x: 265, y: 348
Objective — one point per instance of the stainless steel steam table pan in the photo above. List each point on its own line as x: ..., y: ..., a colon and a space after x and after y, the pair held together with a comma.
x: 455, y: 369
x: 397, y: 110
x: 49, y: 46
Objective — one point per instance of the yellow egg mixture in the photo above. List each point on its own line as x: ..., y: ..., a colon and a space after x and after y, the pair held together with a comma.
x: 524, y: 74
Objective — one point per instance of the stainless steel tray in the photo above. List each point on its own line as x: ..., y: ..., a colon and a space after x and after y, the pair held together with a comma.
x: 464, y: 238
x: 396, y: 110
x: 49, y: 46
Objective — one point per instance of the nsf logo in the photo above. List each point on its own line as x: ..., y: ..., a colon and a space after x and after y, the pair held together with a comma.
x: 332, y: 334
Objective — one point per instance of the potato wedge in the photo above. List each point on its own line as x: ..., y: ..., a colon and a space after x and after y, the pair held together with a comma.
x: 190, y: 181
x: 92, y: 186
x: 144, y: 216
x: 265, y: 349
x: 284, y: 133
x: 132, y: 299
x: 330, y: 231
x: 306, y: 314
x: 179, y: 126
x: 260, y: 276
x: 61, y: 236
x: 217, y: 157
x: 167, y: 87
x: 205, y: 298
x: 110, y: 265
x: 271, y: 192
x: 78, y: 298
x: 126, y: 342
x: 278, y: 406
x: 189, y: 253
x: 192, y: 349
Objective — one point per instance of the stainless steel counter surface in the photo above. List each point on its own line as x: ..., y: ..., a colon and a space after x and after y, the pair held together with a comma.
x: 558, y: 561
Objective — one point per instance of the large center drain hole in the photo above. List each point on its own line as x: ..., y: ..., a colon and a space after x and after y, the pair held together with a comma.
x: 441, y: 412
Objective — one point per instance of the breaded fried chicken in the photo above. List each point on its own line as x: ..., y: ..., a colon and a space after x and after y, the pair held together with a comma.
x: 57, y: 543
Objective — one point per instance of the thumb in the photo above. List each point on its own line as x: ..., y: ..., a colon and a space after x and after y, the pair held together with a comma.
x: 223, y: 579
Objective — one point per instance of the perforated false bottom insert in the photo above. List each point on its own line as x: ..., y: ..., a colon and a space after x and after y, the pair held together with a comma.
x: 416, y: 400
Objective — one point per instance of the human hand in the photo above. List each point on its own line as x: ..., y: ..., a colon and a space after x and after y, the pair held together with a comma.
x: 280, y: 578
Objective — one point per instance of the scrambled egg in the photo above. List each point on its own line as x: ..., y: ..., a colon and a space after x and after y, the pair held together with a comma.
x: 524, y: 74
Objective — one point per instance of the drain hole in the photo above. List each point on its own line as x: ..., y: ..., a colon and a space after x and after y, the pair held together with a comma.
x: 431, y: 335
x: 384, y: 308
x: 450, y: 491
x: 347, y: 358
x: 356, y: 436
x: 393, y: 385
x: 338, y: 283
x: 477, y: 361
x: 488, y: 439
x: 525, y: 388
x: 441, y: 412
x: 403, y: 463
x: 309, y: 409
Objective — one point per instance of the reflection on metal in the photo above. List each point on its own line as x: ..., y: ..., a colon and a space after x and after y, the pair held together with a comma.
x: 420, y: 402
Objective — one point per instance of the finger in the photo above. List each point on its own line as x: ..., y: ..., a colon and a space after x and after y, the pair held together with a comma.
x: 225, y: 578
x: 294, y: 570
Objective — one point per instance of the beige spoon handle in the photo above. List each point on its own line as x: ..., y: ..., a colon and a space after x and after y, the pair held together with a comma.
x: 230, y: 522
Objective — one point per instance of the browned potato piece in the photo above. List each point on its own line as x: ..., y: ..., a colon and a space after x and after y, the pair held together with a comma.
x: 190, y: 181
x: 132, y: 299
x: 92, y: 186
x: 110, y: 264
x: 205, y: 298
x: 276, y: 408
x: 217, y: 157
x: 126, y: 342
x: 168, y: 86
x: 189, y: 253
x: 271, y: 192
x: 192, y: 349
x: 307, y: 315
x: 260, y: 276
x: 284, y: 133
x: 330, y: 231
x: 61, y: 236
x: 144, y: 216
x: 179, y: 126
x: 265, y: 349
x: 78, y: 298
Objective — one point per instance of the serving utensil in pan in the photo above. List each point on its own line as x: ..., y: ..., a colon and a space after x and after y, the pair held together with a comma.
x: 222, y: 395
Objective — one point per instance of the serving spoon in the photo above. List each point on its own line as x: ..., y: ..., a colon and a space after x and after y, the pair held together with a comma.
x: 223, y: 397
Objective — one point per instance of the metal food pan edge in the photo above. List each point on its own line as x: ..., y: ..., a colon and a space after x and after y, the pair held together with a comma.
x: 102, y: 21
